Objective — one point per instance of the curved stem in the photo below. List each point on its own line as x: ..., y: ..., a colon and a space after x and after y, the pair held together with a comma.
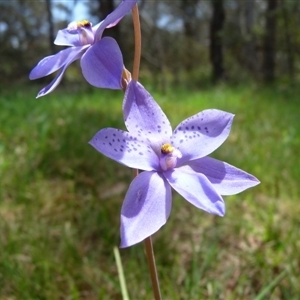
x: 137, y: 43
x: 135, y: 76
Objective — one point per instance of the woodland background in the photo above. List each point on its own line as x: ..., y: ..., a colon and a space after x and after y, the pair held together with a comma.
x: 60, y: 199
x: 184, y: 41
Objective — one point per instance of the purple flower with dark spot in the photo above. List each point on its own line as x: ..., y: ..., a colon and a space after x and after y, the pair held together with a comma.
x: 101, y: 58
x: 178, y: 160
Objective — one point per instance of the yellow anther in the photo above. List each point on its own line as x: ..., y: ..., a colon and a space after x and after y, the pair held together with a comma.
x: 83, y: 23
x: 167, y: 149
x: 74, y: 26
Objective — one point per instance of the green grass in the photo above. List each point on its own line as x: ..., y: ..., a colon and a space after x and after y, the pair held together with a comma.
x: 60, y: 201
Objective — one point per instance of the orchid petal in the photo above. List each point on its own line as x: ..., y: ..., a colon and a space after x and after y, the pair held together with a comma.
x: 201, y: 134
x: 65, y: 37
x: 196, y: 189
x: 52, y: 63
x: 95, y: 28
x: 146, y: 208
x: 226, y: 179
x: 102, y: 64
x: 125, y: 149
x: 143, y: 115
x: 54, y: 83
x: 113, y: 18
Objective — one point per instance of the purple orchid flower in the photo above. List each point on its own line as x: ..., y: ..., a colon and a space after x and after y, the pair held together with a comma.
x: 101, y: 58
x: 178, y: 160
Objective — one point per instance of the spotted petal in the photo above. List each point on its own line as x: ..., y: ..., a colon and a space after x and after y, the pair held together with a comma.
x: 144, y: 116
x: 102, y: 64
x: 201, y: 134
x: 146, y: 208
x: 196, y: 189
x: 225, y: 178
x: 125, y: 149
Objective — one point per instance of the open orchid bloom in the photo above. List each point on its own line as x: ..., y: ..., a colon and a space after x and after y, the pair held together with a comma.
x: 169, y: 159
x: 101, y: 58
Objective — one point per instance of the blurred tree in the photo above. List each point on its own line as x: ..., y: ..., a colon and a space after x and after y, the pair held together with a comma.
x: 105, y: 8
x: 249, y: 52
x: 189, y: 18
x: 288, y: 38
x: 216, y: 39
x: 269, y: 54
x: 50, y: 25
x: 22, y: 36
x: 184, y: 41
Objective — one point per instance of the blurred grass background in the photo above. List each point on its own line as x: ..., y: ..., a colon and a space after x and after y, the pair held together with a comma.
x: 60, y: 200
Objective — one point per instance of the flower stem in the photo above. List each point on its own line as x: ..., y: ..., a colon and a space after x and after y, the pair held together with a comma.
x: 135, y: 76
x: 137, y: 43
x: 152, y: 268
x: 151, y: 260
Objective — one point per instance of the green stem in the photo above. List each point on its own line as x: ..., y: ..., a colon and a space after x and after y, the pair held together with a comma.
x: 121, y: 274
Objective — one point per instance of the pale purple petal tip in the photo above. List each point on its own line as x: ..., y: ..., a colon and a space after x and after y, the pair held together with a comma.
x: 50, y: 64
x: 52, y: 85
x: 112, y: 19
x: 197, y: 190
x: 226, y: 179
x: 102, y: 64
x: 146, y: 208
x: 74, y: 55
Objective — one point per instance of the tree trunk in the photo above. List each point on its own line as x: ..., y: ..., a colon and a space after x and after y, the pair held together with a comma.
x: 188, y: 8
x: 105, y: 8
x: 288, y: 40
x: 250, y: 54
x: 50, y: 26
x: 216, y: 41
x: 269, y: 55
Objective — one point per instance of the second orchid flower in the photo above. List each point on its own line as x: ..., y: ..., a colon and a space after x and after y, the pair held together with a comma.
x: 100, y: 58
